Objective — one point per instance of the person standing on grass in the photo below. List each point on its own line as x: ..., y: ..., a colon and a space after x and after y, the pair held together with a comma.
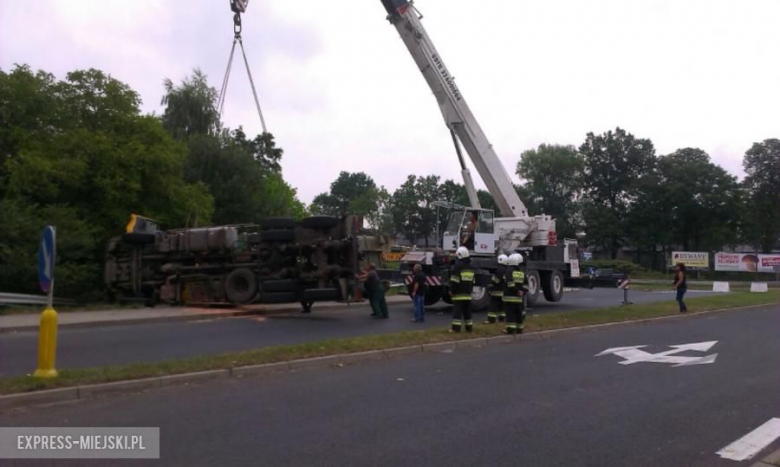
x: 681, y: 286
x: 419, y: 288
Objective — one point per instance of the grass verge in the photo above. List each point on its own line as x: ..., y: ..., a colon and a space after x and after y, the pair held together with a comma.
x: 79, y: 377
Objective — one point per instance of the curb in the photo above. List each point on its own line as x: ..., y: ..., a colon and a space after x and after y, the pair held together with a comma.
x: 50, y: 396
x: 293, y: 308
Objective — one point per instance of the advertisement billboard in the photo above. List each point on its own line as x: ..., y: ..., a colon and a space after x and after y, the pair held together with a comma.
x: 746, y: 262
x: 691, y: 259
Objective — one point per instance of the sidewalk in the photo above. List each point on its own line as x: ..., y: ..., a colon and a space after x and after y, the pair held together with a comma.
x: 29, y: 321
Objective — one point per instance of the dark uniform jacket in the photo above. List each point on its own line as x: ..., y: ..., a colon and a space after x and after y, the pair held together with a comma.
x: 462, y: 280
x: 515, y: 282
x: 498, y: 281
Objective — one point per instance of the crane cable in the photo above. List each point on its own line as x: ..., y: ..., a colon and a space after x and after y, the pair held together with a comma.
x: 226, y: 79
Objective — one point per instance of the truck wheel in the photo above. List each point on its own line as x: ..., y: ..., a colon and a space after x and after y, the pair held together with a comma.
x: 277, y: 236
x: 241, y: 286
x: 480, y: 299
x: 320, y: 222
x: 553, y: 286
x: 433, y: 296
x: 533, y: 288
x: 445, y: 296
x: 283, y: 223
x: 280, y: 285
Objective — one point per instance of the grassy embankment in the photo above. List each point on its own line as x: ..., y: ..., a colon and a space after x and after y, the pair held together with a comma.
x: 77, y: 377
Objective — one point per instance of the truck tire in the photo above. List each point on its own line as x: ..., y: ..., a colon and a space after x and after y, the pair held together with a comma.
x: 480, y: 299
x: 278, y: 235
x: 552, y: 285
x: 433, y: 296
x: 281, y: 285
x: 320, y: 222
x: 278, y: 297
x: 138, y: 238
x: 445, y: 295
x: 283, y: 223
x: 533, y: 288
x: 241, y: 286
x: 319, y: 295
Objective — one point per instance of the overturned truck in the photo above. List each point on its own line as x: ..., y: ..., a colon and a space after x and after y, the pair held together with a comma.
x: 278, y: 261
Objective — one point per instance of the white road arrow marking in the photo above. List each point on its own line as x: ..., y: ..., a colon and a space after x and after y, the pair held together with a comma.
x: 753, y: 442
x: 618, y: 349
x: 633, y: 354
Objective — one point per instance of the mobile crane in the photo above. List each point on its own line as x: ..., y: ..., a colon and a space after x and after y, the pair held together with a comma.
x: 550, y: 264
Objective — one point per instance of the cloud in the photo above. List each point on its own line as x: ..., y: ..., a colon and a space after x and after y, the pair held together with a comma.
x: 340, y: 92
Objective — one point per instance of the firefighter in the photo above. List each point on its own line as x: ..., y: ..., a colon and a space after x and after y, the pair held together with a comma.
x: 513, y: 295
x: 461, y: 285
x: 497, y: 284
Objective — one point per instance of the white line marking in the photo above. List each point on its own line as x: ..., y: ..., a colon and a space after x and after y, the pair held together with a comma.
x: 752, y: 443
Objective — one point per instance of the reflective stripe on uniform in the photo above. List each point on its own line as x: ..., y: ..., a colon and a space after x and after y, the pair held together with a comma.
x: 492, y: 314
x: 518, y: 276
x: 467, y: 276
x: 512, y: 299
x: 497, y: 293
x: 454, y: 279
x: 461, y: 298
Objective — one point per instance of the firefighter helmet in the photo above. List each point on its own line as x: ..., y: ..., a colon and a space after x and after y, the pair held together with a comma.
x: 462, y: 252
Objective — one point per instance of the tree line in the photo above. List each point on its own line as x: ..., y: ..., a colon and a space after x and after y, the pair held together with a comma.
x: 80, y: 154
x: 612, y: 191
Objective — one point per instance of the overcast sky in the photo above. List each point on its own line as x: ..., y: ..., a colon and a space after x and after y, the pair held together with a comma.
x: 340, y: 91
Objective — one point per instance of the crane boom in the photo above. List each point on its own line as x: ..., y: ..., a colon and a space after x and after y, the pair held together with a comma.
x: 457, y: 115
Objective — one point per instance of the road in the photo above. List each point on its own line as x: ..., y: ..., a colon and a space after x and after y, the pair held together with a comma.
x: 114, y: 345
x: 539, y: 402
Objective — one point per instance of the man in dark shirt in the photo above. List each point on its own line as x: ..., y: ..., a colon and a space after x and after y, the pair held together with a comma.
x: 419, y: 288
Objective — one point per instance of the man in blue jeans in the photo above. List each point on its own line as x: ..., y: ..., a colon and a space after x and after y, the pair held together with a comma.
x: 418, y: 294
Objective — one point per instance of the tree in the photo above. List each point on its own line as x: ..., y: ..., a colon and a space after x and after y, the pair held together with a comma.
x: 614, y: 164
x: 190, y: 107
x: 762, y: 166
x: 84, y: 161
x: 243, y: 175
x: 406, y: 213
x: 351, y: 193
x: 554, y: 183
x: 701, y: 200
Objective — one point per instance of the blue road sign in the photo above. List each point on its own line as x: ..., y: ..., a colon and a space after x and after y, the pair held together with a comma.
x: 46, y: 258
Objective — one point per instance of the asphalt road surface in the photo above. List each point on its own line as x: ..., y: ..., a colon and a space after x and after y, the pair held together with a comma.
x: 117, y: 344
x: 540, y: 402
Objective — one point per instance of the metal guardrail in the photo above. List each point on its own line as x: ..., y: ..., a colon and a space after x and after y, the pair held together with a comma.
x: 23, y: 299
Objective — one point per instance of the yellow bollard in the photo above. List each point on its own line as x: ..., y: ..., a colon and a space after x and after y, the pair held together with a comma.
x: 47, y: 344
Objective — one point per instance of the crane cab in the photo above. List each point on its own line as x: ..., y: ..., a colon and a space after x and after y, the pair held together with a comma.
x: 473, y: 228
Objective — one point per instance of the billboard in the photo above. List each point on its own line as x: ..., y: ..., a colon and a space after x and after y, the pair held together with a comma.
x: 692, y: 259
x: 746, y: 262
